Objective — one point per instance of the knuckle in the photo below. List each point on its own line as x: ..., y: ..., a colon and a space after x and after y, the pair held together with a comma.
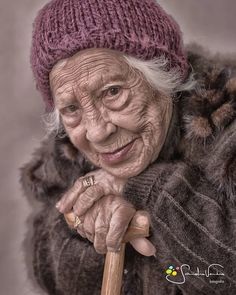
x: 88, y: 198
x: 99, y: 189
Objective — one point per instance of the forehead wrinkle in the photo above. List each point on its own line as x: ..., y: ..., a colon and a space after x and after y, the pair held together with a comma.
x: 59, y: 82
x: 96, y: 56
x: 95, y: 60
x: 76, y: 75
x: 64, y: 90
x: 87, y: 73
x: 85, y: 65
x: 63, y: 96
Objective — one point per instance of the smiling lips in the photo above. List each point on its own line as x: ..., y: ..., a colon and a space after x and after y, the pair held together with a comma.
x: 118, y: 155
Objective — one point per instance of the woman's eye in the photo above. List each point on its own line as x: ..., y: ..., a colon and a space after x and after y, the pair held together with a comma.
x: 72, y: 108
x: 114, y: 90
x: 69, y: 109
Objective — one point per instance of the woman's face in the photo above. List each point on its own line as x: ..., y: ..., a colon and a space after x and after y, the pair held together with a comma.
x: 109, y: 111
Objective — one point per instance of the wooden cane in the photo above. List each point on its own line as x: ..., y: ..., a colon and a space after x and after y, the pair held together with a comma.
x: 114, y: 262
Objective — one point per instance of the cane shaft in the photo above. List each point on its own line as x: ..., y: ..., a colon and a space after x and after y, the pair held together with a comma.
x: 113, y: 272
x: 114, y: 263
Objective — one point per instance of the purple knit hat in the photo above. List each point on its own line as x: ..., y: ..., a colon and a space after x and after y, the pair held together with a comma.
x: 138, y: 28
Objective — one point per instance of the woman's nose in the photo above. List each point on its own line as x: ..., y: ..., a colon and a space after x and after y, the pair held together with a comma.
x: 98, y: 130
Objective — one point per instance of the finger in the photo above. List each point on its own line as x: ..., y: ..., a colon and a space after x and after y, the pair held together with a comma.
x: 89, y: 225
x: 71, y: 219
x: 101, y: 230
x: 143, y: 246
x: 86, y: 200
x: 118, y: 226
x: 67, y: 202
x: 140, y: 219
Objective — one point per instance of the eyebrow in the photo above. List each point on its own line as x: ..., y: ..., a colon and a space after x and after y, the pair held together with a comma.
x: 67, y: 95
x: 107, y: 81
x: 61, y: 96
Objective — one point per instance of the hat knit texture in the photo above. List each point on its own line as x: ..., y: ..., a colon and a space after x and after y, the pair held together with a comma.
x: 138, y: 28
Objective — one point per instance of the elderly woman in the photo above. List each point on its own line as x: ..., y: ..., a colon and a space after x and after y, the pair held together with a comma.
x: 136, y: 124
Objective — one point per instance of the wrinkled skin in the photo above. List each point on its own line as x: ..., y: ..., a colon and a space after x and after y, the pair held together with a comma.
x: 117, y: 120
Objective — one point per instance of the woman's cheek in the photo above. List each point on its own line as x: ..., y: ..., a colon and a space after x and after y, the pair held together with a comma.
x: 130, y: 118
x: 75, y: 133
x: 71, y: 121
x: 83, y: 145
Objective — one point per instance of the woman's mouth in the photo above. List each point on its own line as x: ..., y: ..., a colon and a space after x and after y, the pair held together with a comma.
x: 118, y: 155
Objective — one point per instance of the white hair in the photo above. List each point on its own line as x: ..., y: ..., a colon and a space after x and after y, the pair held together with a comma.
x: 154, y: 71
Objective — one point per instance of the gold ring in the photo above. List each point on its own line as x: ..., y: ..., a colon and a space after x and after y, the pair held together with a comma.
x: 88, y: 181
x: 77, y: 221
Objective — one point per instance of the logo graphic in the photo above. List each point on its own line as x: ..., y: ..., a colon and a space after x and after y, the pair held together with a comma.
x: 172, y: 271
x: 179, y: 274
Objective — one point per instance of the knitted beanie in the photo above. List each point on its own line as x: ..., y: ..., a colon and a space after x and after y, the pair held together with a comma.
x: 138, y: 28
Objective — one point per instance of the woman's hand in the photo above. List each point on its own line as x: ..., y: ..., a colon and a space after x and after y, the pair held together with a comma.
x: 106, y: 223
x: 80, y: 198
x: 104, y: 213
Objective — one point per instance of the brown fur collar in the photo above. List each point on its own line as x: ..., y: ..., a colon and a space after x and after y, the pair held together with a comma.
x: 208, y: 121
x: 212, y: 107
x: 203, y: 133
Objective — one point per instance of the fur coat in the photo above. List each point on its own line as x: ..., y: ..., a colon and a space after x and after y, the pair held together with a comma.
x: 189, y: 192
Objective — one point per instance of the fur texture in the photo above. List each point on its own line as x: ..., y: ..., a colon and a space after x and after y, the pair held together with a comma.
x: 208, y: 122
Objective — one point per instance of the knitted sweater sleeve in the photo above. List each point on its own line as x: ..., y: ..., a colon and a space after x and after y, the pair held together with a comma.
x: 193, y: 217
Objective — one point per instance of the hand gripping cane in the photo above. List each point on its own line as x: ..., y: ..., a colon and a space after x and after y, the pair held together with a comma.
x: 114, y: 262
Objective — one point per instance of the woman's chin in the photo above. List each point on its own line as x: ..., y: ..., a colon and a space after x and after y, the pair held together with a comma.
x: 127, y: 165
